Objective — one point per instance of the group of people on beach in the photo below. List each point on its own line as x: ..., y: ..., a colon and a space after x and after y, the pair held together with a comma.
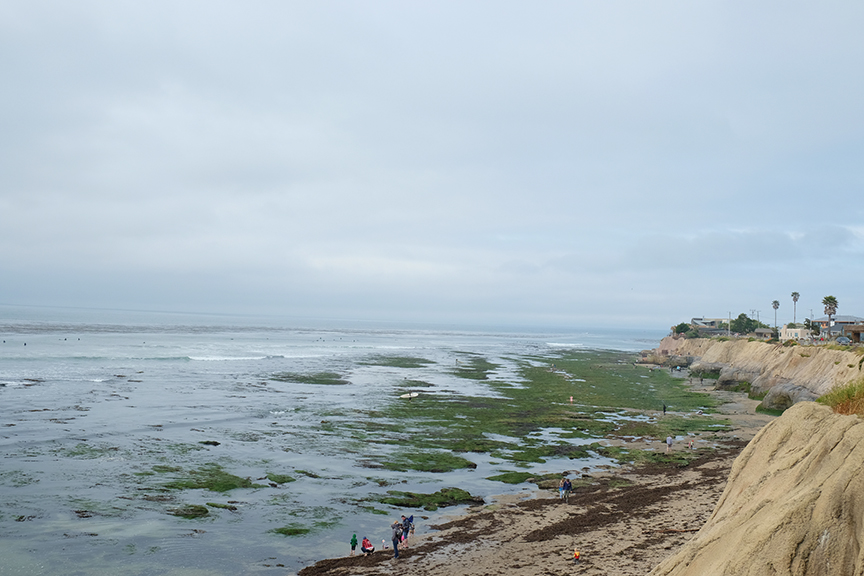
x: 564, y: 488
x: 399, y: 532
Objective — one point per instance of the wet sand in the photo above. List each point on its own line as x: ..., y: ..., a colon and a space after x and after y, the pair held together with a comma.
x: 625, y: 523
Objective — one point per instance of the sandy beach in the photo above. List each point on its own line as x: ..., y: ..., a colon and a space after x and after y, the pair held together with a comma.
x: 624, y: 523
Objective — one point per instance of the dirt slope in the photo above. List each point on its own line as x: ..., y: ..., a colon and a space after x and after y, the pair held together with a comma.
x: 793, y: 504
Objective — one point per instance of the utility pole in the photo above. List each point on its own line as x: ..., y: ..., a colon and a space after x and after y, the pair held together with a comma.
x: 729, y: 325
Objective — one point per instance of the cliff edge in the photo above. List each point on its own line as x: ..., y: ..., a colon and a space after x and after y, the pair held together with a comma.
x: 803, y: 372
x: 793, y: 505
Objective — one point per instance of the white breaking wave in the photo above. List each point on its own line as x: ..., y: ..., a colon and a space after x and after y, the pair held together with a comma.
x: 227, y: 358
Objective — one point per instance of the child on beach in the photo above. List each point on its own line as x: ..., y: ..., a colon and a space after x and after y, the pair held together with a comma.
x: 353, y: 544
x: 366, y: 546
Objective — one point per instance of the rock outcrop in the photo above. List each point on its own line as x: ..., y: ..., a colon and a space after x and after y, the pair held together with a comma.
x: 793, y: 505
x: 783, y: 396
x: 816, y: 369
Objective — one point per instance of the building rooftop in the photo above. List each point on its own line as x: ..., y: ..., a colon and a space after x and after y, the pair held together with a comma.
x: 841, y: 318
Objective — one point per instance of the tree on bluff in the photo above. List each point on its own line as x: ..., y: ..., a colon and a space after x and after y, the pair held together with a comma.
x: 830, y: 303
x: 681, y: 328
x: 743, y: 324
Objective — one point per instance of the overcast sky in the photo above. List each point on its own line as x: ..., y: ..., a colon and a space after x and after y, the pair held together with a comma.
x: 570, y: 163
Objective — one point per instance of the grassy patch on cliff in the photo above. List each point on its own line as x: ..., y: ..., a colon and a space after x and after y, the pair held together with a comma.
x: 848, y: 399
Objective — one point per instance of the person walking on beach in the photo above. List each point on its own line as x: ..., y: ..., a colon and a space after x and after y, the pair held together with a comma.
x: 396, y: 535
x: 406, y: 529
x: 353, y: 544
x: 668, y: 444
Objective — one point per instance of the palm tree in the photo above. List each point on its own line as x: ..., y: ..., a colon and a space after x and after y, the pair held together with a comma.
x: 795, y: 297
x: 830, y: 303
x: 775, y: 304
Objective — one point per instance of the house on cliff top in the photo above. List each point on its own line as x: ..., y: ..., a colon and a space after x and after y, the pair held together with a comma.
x: 787, y: 333
x: 707, y: 322
x: 764, y: 333
x: 839, y: 324
x: 707, y: 327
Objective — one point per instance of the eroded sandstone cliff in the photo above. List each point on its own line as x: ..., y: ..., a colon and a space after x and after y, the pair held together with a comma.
x: 803, y: 372
x: 793, y: 505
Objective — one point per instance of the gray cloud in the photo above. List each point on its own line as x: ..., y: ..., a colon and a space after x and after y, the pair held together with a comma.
x: 572, y: 162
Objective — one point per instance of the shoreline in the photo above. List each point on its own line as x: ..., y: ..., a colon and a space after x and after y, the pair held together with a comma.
x: 626, y: 522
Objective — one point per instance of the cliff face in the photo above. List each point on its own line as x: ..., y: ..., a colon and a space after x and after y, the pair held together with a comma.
x: 793, y: 505
x: 802, y: 368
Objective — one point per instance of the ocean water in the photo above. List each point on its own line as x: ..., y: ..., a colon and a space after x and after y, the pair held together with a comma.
x: 101, y: 408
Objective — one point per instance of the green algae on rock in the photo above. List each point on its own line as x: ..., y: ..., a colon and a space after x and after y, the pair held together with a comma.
x: 677, y: 458
x: 281, y: 478
x: 211, y: 477
x: 608, y: 390
x: 441, y: 498
x: 291, y: 530
x: 223, y: 506
x: 319, y: 378
x: 511, y: 477
x: 397, y: 361
x: 437, y: 462
x: 190, y: 511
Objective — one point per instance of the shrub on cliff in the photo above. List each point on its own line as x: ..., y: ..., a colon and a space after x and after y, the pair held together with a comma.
x: 681, y: 328
x: 848, y: 399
